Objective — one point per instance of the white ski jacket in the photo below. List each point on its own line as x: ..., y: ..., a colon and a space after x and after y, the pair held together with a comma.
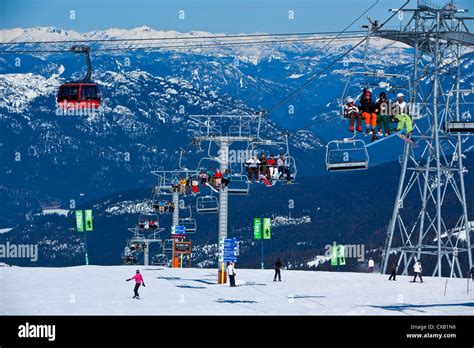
x: 417, y: 268
x: 253, y: 163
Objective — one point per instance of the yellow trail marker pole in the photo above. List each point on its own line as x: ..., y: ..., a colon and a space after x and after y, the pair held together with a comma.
x: 222, y: 273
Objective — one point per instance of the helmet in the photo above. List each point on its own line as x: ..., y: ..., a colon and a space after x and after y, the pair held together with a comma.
x: 400, y: 95
x: 350, y: 100
x: 137, y: 271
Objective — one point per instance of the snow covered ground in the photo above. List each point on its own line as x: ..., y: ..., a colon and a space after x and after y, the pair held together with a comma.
x: 103, y: 290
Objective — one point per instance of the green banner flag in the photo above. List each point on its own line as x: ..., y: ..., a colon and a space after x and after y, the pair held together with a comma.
x: 342, y: 255
x: 257, y: 228
x: 79, y: 221
x: 334, y: 253
x: 88, y: 216
x: 266, y: 228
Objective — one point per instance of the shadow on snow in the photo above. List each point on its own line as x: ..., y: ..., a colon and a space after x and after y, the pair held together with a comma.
x: 418, y: 307
x: 190, y: 287
x: 234, y: 301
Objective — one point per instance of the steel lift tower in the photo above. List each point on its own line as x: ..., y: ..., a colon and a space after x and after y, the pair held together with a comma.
x: 237, y: 129
x: 139, y: 237
x: 223, y: 131
x: 433, y: 171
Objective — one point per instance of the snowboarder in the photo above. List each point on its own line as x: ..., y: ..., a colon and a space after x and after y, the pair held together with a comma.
x: 138, y: 281
x: 471, y: 273
x: 401, y: 113
x: 417, y: 271
x: 393, y: 271
x: 231, y: 273
x: 278, y: 266
x: 371, y: 265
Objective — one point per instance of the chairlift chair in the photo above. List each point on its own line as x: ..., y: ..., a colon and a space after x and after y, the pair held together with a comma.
x: 144, y: 222
x: 462, y: 120
x: 208, y: 162
x: 460, y: 127
x: 207, y: 204
x: 129, y: 260
x: 238, y: 185
x: 189, y: 224
x: 168, y: 245
x: 279, y: 147
x: 291, y: 163
x: 129, y: 256
x: 157, y: 203
x: 346, y: 155
x: 403, y: 85
x: 159, y: 260
x: 237, y: 168
x: 135, y: 247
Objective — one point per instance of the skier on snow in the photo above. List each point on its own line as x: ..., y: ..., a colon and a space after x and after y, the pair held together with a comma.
x: 393, y: 272
x: 417, y: 271
x: 278, y: 266
x: 371, y: 265
x: 231, y: 273
x: 138, y: 281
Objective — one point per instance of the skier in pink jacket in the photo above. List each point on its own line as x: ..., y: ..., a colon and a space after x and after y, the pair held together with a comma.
x: 138, y: 281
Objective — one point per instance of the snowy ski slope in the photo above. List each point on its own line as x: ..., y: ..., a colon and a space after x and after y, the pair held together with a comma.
x: 103, y: 290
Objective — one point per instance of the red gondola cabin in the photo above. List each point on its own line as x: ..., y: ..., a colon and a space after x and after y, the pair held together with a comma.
x: 79, y: 95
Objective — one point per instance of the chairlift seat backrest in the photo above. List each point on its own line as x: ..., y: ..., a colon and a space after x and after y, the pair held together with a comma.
x: 238, y: 185
x: 189, y: 224
x: 345, y: 155
x: 207, y: 204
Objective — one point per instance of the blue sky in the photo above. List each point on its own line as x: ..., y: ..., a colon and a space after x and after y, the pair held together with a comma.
x: 227, y: 16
